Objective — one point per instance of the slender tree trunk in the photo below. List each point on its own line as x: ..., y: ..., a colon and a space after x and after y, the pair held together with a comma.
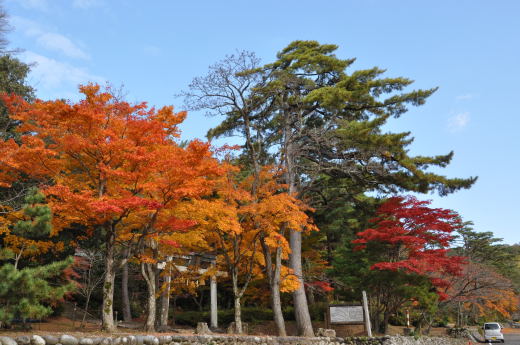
x: 273, y: 277
x: 158, y: 300
x: 310, y: 296
x: 149, y: 276
x: 238, y: 316
x: 276, y: 299
x: 125, y: 298
x: 86, y: 309
x: 430, y: 324
x: 18, y: 256
x: 238, y: 307
x: 108, y: 287
x: 386, y: 318
x: 377, y: 321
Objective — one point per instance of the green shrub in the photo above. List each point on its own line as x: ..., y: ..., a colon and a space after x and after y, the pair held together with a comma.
x: 249, y: 314
x: 316, y: 310
x: 190, y: 318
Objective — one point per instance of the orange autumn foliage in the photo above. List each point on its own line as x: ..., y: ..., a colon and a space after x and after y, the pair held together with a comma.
x: 21, y: 245
x: 107, y: 160
x: 483, y: 291
x: 109, y: 168
x: 232, y: 222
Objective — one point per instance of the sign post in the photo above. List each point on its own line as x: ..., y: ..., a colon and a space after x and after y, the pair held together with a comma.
x: 341, y: 314
x: 347, y: 314
x: 368, y: 327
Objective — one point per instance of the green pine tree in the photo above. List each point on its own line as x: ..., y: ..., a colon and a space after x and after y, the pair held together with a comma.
x: 30, y: 292
x: 326, y: 125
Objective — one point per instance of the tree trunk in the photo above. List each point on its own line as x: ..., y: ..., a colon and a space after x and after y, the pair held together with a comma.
x: 158, y: 301
x: 386, y: 318
x: 301, y: 309
x: 310, y: 296
x: 165, y: 304
x: 238, y: 316
x: 276, y: 300
x: 376, y: 321
x: 273, y: 277
x: 125, y: 302
x: 238, y: 307
x: 149, y: 276
x: 108, y: 288
x: 86, y: 309
x: 18, y: 256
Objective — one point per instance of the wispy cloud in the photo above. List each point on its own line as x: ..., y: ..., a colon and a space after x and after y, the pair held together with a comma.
x: 458, y: 121
x: 52, y: 74
x: 49, y: 40
x: 84, y: 4
x: 60, y: 43
x: 465, y: 97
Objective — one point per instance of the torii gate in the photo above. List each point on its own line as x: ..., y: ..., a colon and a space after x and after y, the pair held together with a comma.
x: 195, y: 259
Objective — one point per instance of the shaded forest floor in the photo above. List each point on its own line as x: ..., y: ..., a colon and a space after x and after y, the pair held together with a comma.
x: 65, y: 325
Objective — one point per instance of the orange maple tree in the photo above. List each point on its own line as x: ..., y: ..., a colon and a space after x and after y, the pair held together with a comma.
x: 111, y: 167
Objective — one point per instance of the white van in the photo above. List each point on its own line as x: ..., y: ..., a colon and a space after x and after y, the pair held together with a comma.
x: 493, y: 332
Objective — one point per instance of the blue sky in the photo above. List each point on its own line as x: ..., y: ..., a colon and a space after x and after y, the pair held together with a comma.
x: 470, y: 49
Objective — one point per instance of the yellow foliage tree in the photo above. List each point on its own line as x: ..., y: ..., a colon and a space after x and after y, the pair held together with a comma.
x: 245, y: 223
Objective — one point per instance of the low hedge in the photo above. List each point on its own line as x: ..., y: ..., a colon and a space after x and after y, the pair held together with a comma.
x: 249, y: 314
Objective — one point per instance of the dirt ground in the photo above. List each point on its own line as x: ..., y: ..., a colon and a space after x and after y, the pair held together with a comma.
x: 62, y: 325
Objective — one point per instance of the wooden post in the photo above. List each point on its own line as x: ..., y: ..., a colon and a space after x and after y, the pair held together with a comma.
x: 327, y: 316
x: 73, y: 317
x: 213, y: 299
x: 368, y: 327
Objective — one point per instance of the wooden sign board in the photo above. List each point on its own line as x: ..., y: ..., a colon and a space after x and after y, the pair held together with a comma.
x: 346, y: 314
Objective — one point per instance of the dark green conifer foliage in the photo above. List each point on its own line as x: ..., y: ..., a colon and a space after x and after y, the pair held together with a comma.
x: 13, y: 79
x: 38, y: 214
x: 31, y: 291
x: 338, y: 122
x: 486, y: 249
x: 28, y: 293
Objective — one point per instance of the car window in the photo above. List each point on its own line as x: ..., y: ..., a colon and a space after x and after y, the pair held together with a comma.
x: 491, y: 326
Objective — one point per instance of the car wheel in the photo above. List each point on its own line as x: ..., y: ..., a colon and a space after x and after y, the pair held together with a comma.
x: 502, y: 340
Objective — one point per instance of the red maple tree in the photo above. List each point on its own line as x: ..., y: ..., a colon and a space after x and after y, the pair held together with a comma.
x: 414, y: 238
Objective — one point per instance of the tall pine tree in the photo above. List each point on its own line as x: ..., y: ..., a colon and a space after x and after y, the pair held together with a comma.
x: 325, y: 125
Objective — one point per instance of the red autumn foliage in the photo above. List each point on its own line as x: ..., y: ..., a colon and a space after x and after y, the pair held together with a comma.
x: 414, y: 238
x: 321, y: 286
